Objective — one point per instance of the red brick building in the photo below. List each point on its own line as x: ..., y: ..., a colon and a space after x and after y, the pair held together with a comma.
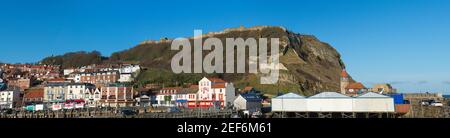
x: 98, y: 77
x: 117, y: 95
x: 21, y: 84
x: 34, y: 96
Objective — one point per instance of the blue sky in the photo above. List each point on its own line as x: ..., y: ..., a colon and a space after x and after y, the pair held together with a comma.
x: 404, y: 42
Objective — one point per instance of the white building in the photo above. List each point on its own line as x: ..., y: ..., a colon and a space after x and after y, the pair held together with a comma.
x: 54, y: 92
x: 143, y: 101
x: 168, y: 96
x: 373, y: 102
x: 128, y: 72
x: 132, y: 68
x: 9, y: 99
x: 68, y: 71
x: 333, y: 102
x: 289, y: 102
x: 126, y: 77
x: 92, y: 97
x: 79, y: 90
x: 77, y: 78
x: 329, y: 102
x: 249, y: 102
x: 84, y: 93
x: 215, y: 92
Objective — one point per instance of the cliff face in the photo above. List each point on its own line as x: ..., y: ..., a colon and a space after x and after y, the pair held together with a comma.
x: 310, y: 65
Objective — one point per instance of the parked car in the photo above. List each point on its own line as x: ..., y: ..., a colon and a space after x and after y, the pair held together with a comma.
x: 7, y: 111
x: 425, y: 102
x: 173, y: 110
x: 257, y: 114
x: 127, y: 112
x: 235, y: 116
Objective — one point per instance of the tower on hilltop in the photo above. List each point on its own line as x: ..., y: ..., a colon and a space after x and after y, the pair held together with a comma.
x: 345, y: 81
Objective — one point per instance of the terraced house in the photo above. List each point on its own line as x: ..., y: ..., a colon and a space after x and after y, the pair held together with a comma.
x: 103, y: 77
x: 10, y: 99
x: 55, y: 92
x: 117, y: 95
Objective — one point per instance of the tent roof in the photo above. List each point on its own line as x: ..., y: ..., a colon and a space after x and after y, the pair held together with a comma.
x: 290, y: 96
x: 329, y: 95
x: 372, y: 95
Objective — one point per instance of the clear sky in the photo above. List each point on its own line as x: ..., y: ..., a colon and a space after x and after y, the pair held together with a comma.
x: 404, y: 42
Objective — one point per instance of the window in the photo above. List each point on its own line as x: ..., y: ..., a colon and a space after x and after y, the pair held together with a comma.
x: 220, y: 96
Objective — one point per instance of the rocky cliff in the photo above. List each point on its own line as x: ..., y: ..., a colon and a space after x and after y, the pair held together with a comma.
x: 310, y: 65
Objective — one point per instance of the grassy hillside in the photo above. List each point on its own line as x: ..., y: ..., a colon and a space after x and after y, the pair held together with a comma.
x: 75, y: 59
x: 311, y: 65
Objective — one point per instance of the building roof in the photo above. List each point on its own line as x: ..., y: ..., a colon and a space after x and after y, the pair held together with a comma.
x: 329, y: 95
x: 188, y: 90
x: 246, y: 89
x: 250, y: 97
x: 216, y: 80
x: 118, y: 85
x: 171, y: 88
x: 57, y: 84
x: 194, y: 86
x: 220, y: 85
x: 34, y: 93
x: 357, y: 85
x: 290, y: 96
x: 77, y: 84
x: 372, y: 95
x: 344, y: 73
x: 94, y: 72
x: 57, y: 80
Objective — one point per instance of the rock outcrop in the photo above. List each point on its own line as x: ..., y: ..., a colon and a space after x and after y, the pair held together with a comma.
x: 312, y: 66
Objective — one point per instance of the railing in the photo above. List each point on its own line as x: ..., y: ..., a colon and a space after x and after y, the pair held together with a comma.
x: 115, y: 113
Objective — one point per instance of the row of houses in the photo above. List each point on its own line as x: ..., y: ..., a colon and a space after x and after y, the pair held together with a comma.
x: 101, y: 74
x: 112, y: 95
x: 77, y: 84
x: 209, y: 93
x: 38, y: 72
